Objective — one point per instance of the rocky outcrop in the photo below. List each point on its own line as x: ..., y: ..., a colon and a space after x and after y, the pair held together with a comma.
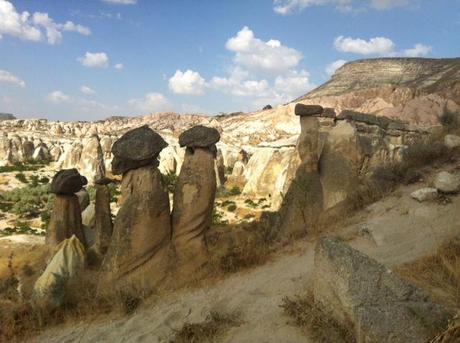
x: 91, y: 163
x: 103, y: 225
x: 447, y: 182
x: 194, y: 199
x: 363, y: 295
x: 138, y: 252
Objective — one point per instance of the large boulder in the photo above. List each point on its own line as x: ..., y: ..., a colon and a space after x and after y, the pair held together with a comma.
x: 136, y: 148
x: 67, y: 181
x: 360, y: 293
x: 452, y: 141
x: 199, y: 137
x: 138, y: 251
x: 304, y: 110
x: 447, y: 182
x: 66, y: 264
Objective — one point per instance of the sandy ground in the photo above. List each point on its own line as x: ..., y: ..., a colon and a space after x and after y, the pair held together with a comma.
x: 394, y: 230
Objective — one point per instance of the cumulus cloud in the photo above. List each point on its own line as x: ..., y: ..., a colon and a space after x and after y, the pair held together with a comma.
x: 189, y: 82
x: 151, y: 102
x: 6, y: 76
x: 121, y: 2
x: 332, y: 67
x: 259, y: 56
x: 87, y: 90
x: 286, y: 7
x: 118, y: 66
x: 419, y: 50
x: 374, y: 46
x: 57, y: 97
x: 94, y: 60
x: 29, y: 27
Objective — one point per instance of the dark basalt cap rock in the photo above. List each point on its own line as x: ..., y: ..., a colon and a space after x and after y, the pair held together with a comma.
x: 67, y: 182
x: 199, y: 137
x: 136, y: 148
x: 139, y: 144
x: 308, y: 110
x: 366, y: 118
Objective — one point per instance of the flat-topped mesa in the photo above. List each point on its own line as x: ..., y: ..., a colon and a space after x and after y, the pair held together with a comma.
x: 194, y: 199
x: 65, y: 218
x: 138, y: 251
x: 136, y: 148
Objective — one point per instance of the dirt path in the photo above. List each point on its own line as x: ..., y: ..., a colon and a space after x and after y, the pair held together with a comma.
x: 395, y: 230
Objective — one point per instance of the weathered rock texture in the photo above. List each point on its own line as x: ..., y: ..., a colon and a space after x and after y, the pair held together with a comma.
x: 138, y: 251
x: 67, y: 181
x: 103, y: 220
x: 193, y: 205
x: 362, y: 294
x: 65, y: 220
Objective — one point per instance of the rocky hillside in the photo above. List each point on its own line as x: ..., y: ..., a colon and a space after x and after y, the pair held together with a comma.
x: 415, y: 90
x: 7, y: 116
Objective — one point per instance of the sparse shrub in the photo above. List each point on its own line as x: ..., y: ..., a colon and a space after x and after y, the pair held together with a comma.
x: 306, y: 313
x: 250, y: 203
x: 214, y: 325
x: 170, y: 180
x: 27, y: 201
x: 115, y: 192
x: 231, y: 207
x: 21, y: 177
x: 223, y: 192
x: 217, y: 217
x: 235, y: 190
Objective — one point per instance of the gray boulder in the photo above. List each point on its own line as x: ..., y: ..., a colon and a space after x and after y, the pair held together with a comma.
x: 424, y: 194
x: 136, y: 148
x: 446, y: 182
x: 362, y: 294
x: 307, y: 110
x: 452, y: 141
x: 67, y: 182
x: 199, y: 137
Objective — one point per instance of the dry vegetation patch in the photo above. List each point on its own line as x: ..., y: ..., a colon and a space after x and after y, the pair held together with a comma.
x: 307, y: 314
x: 212, y: 327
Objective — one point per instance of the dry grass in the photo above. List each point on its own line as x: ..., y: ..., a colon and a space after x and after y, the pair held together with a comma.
x: 214, y: 326
x: 306, y: 313
x: 438, y: 274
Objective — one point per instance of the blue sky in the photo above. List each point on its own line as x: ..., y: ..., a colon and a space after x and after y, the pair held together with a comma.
x: 89, y: 59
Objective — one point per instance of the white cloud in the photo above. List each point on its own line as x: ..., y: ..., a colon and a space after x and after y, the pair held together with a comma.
x: 94, y: 60
x: 189, y: 82
x: 285, y: 7
x: 258, y: 56
x: 118, y: 66
x: 151, y: 102
x: 332, y: 67
x: 57, y: 97
x: 121, y: 2
x: 6, y: 76
x: 28, y: 27
x: 293, y: 85
x: 87, y: 90
x: 374, y: 46
x: 419, y: 50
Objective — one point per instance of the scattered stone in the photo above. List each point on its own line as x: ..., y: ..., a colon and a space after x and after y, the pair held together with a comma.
x: 307, y: 110
x: 425, y: 194
x: 67, y: 181
x: 452, y: 141
x: 362, y: 294
x: 267, y: 107
x: 66, y: 264
x: 446, y: 182
x: 136, y: 148
x: 199, y: 137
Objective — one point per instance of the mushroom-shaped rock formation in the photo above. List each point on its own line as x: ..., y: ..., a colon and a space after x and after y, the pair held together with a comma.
x: 136, y: 148
x: 303, y: 202
x: 138, y: 250
x: 65, y: 219
x: 194, y: 199
x: 308, y: 110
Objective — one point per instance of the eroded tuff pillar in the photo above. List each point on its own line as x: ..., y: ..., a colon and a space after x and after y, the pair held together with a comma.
x: 194, y: 199
x: 138, y: 251
x: 303, y: 202
x: 65, y: 219
x: 103, y: 225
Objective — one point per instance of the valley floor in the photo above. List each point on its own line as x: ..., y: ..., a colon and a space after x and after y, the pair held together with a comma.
x: 395, y: 230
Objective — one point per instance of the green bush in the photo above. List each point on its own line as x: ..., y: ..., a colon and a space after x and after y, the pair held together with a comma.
x: 21, y: 177
x: 250, y: 203
x: 450, y: 120
x: 231, y: 207
x: 27, y: 201
x: 169, y: 180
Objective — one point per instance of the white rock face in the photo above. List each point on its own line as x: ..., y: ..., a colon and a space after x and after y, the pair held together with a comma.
x: 452, y: 141
x: 446, y: 182
x: 88, y: 216
x: 425, y: 194
x: 91, y: 163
